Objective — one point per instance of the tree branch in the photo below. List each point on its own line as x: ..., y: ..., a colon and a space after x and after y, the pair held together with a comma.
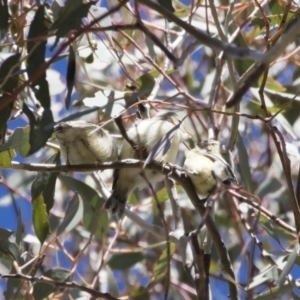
x: 171, y: 171
x: 68, y: 285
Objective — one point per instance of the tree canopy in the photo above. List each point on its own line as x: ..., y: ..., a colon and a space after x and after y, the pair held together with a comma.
x: 229, y: 70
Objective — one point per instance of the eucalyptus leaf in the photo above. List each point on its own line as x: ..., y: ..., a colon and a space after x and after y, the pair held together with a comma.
x: 6, y: 157
x: 9, y: 251
x: 36, y: 56
x: 167, y: 4
x: 161, y: 267
x: 122, y: 261
x: 8, y: 82
x: 94, y: 217
x: 289, y: 265
x: 41, y: 290
x: 44, y: 183
x: 40, y: 218
x: 244, y: 161
x: 70, y: 76
x: 41, y: 128
x: 5, y: 234
x: 162, y: 146
x: 113, y: 287
x: 4, y: 18
x: 69, y: 18
x: 73, y: 216
x: 275, y: 231
x: 18, y: 141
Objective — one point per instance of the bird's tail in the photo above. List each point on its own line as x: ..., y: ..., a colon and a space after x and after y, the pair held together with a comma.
x: 116, y: 203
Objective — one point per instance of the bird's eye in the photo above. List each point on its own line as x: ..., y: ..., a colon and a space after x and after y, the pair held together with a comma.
x: 227, y: 182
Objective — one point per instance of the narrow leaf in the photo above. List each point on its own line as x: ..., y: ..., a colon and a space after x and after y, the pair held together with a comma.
x: 5, y: 233
x: 162, y: 146
x: 70, y: 76
x: 92, y: 205
x: 44, y: 183
x: 289, y: 265
x: 4, y: 17
x: 167, y: 4
x: 41, y: 128
x: 275, y: 231
x: 161, y: 267
x: 19, y: 231
x: 18, y: 141
x: 124, y: 260
x: 72, y: 217
x: 69, y: 18
x: 42, y: 290
x: 6, y: 157
x: 244, y: 161
x: 36, y: 49
x: 9, y: 251
x: 112, y: 284
x: 8, y: 82
x: 297, y: 192
x: 40, y: 218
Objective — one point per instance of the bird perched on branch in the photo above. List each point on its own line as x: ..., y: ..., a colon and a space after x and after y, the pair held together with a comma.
x: 159, y: 139
x: 207, y: 164
x: 85, y: 143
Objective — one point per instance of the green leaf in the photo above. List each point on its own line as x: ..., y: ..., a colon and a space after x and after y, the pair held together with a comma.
x: 124, y: 261
x: 36, y: 49
x: 69, y: 18
x: 19, y: 231
x: 40, y: 218
x: 161, y: 267
x: 146, y: 84
x: 5, y: 234
x: 112, y: 284
x: 72, y: 217
x: 41, y: 128
x: 276, y: 232
x: 4, y: 17
x: 273, y: 19
x: 156, y: 73
x: 139, y: 293
x: 9, y: 251
x: 275, y: 293
x: 44, y: 183
x: 6, y: 157
x: 94, y: 216
x: 70, y: 76
x: 167, y: 4
x: 244, y: 161
x: 12, y: 285
x: 289, y: 265
x: 42, y: 290
x: 8, y: 82
x: 272, y: 84
x: 19, y: 141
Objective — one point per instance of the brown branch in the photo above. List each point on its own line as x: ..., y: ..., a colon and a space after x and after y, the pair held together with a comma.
x: 65, y: 45
x: 263, y: 210
x: 161, y: 214
x: 168, y: 170
x: 68, y: 285
x: 200, y: 274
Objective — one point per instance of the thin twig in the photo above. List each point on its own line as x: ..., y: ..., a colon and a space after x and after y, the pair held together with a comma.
x: 167, y: 170
x: 69, y: 285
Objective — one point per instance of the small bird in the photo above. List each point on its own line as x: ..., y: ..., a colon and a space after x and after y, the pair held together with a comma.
x: 207, y: 164
x: 85, y: 143
x: 145, y: 134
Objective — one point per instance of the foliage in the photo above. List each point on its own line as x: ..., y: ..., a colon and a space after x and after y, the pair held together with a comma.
x: 230, y: 69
